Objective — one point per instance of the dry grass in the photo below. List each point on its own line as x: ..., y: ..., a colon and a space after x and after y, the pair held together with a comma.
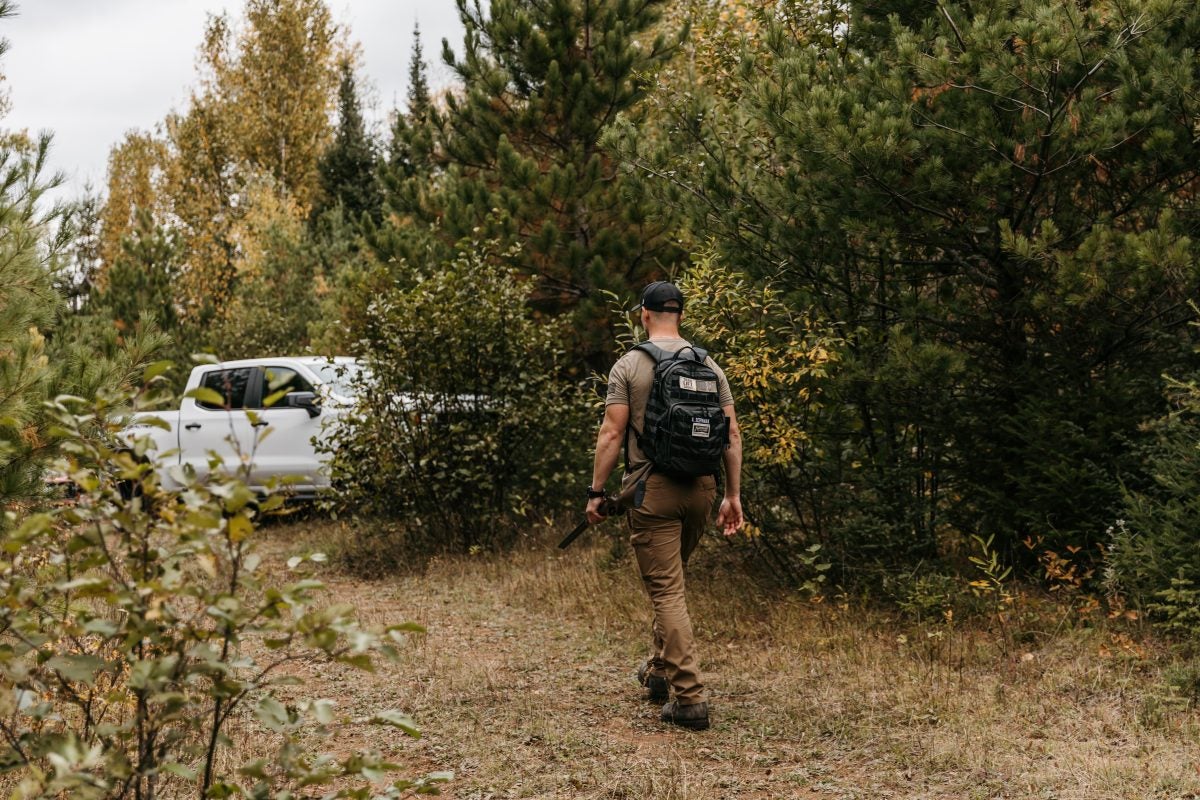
x: 524, y: 687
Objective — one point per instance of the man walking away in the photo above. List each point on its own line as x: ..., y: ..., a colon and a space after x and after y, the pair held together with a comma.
x: 670, y: 406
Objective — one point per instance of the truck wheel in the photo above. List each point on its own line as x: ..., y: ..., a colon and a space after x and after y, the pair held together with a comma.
x: 130, y: 489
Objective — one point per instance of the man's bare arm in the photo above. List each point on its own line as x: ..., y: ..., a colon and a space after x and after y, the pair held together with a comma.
x: 608, y: 450
x: 729, y: 518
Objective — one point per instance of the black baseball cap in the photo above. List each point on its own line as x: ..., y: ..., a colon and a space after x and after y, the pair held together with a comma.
x: 656, y: 296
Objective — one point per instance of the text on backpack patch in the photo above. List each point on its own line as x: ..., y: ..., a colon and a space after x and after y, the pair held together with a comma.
x: 693, y: 385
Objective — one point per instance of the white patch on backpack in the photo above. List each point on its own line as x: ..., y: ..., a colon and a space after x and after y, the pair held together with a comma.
x: 693, y: 385
x: 700, y: 428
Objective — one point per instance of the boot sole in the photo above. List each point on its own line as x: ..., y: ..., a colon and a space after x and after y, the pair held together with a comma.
x: 690, y: 724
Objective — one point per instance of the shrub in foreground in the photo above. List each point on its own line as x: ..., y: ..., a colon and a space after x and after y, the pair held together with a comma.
x: 134, y: 633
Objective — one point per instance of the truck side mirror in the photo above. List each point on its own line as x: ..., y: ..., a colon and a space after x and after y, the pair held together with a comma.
x: 306, y: 400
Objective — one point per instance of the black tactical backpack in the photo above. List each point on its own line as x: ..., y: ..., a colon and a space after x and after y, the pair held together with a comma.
x: 685, y: 431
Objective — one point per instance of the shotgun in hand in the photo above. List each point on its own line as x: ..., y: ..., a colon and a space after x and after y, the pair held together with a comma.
x: 610, y: 506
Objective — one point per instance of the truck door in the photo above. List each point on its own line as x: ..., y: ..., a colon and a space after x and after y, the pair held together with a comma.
x: 287, y: 449
x: 206, y: 428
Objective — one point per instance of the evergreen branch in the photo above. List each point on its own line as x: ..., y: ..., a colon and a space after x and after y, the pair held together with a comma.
x: 1124, y: 38
x: 929, y: 122
x: 957, y: 35
x: 895, y: 194
x: 1019, y: 103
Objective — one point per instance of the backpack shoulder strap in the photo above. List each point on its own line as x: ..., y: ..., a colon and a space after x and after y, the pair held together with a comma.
x: 660, y: 355
x: 653, y: 350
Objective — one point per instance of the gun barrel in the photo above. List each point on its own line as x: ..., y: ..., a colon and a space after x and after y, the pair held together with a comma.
x: 573, y: 535
x: 609, y: 507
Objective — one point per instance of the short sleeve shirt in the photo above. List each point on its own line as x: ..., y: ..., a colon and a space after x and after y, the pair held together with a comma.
x: 629, y: 383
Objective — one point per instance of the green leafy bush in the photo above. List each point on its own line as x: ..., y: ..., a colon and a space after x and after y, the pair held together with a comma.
x: 134, y: 632
x: 778, y: 362
x: 471, y: 418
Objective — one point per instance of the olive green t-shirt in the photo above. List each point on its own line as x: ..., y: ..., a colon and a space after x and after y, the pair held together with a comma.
x: 629, y: 383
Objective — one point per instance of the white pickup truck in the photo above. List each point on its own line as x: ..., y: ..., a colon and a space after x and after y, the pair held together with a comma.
x: 272, y: 414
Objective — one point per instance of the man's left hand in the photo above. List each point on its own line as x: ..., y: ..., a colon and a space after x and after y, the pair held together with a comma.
x: 729, y: 518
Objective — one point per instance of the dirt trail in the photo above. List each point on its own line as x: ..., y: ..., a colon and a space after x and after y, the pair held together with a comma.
x: 523, y: 687
x: 524, y: 700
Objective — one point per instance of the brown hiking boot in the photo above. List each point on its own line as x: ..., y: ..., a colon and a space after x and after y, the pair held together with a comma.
x: 657, y: 684
x: 693, y: 717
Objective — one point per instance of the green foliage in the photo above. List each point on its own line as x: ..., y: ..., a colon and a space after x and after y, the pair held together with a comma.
x: 469, y: 420
x: 348, y: 167
x: 274, y: 303
x: 140, y: 284
x: 991, y: 203
x: 136, y: 629
x: 1177, y: 609
x: 410, y: 151
x: 778, y: 362
x: 926, y: 597
x: 45, y: 352
x: 1182, y: 683
x: 367, y: 255
x: 518, y: 155
x: 28, y: 304
x: 345, y: 280
x: 993, y: 581
x: 943, y: 251
x: 1153, y: 548
x: 49, y: 256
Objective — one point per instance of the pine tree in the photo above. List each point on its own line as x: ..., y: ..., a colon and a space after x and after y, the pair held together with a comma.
x: 77, y: 279
x: 348, y: 168
x: 521, y: 148
x: 995, y: 201
x: 412, y: 177
x: 28, y: 305
x: 48, y: 254
x: 1154, y: 542
x: 410, y: 151
x: 418, y: 81
x: 140, y: 284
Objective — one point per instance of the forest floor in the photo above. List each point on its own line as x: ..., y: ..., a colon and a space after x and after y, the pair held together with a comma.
x: 523, y: 686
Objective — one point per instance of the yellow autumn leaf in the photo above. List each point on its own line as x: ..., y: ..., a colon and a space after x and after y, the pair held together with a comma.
x: 240, y: 527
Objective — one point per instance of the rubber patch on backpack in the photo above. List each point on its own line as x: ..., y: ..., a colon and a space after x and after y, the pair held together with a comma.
x: 700, y: 428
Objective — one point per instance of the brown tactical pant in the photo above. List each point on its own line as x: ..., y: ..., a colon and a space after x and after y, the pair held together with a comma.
x: 665, y: 530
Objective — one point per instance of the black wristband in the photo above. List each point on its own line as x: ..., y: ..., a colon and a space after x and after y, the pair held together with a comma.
x: 592, y: 493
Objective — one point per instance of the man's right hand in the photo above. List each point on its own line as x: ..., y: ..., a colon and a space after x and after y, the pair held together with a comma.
x: 593, y: 510
x: 729, y: 518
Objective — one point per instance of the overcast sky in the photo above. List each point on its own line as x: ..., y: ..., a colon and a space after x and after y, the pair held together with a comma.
x: 90, y: 70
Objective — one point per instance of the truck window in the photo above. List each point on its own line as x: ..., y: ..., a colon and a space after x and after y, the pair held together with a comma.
x: 230, y: 384
x: 282, y: 379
